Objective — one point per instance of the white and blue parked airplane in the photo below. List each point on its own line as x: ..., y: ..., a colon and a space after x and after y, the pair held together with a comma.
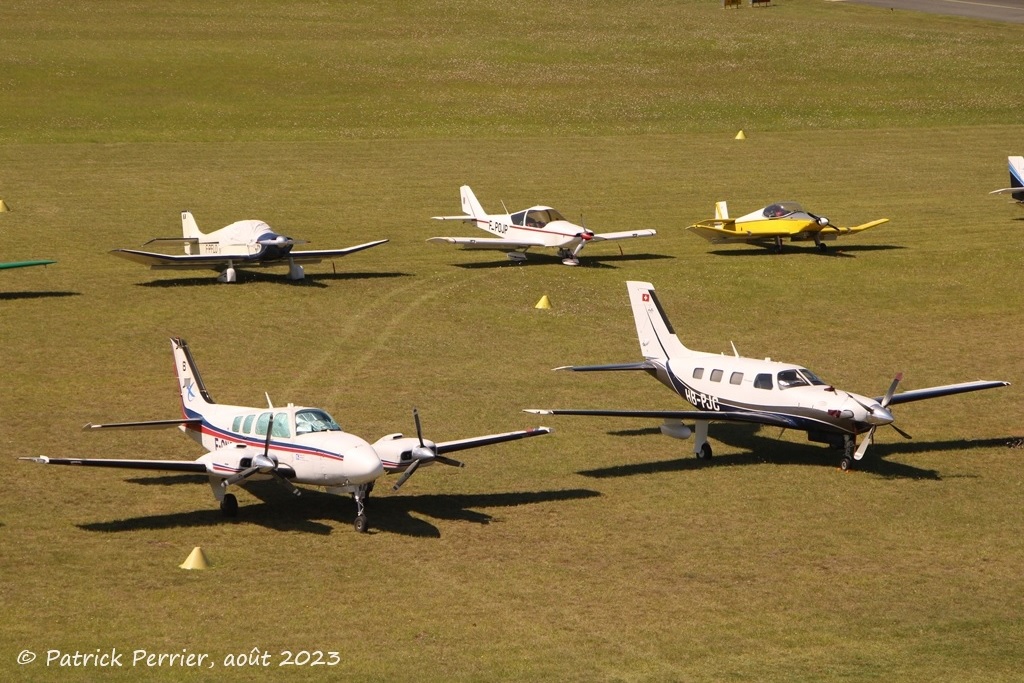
x: 249, y: 244
x: 1016, y: 188
x: 292, y: 445
x: 737, y: 389
x: 536, y: 227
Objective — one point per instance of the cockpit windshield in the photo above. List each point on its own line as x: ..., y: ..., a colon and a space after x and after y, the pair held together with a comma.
x: 798, y: 378
x: 311, y: 420
x: 782, y: 209
x: 538, y: 218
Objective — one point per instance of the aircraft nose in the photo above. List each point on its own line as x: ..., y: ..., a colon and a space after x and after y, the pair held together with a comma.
x: 879, y: 416
x: 362, y: 464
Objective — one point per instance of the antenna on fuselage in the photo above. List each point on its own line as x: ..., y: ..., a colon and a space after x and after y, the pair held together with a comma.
x: 269, y: 404
x: 503, y: 207
x: 734, y: 351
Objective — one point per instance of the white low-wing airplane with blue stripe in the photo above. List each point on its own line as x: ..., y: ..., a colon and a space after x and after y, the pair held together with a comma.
x: 536, y: 227
x: 249, y: 244
x: 737, y: 389
x: 291, y: 445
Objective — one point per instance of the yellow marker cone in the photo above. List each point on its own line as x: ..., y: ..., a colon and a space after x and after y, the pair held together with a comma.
x: 3, y: 206
x: 740, y: 136
x: 196, y: 560
x: 544, y: 302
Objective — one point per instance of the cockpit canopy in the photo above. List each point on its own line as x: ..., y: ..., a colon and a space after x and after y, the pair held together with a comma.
x: 798, y: 378
x: 782, y: 209
x: 312, y: 420
x: 536, y: 217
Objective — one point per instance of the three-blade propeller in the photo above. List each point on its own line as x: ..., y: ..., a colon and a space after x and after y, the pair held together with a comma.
x: 264, y: 464
x: 880, y: 417
x: 423, y: 453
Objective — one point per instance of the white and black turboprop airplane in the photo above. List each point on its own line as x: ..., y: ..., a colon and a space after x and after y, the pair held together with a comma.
x: 538, y: 226
x: 1016, y: 188
x: 737, y: 389
x: 248, y: 244
x: 291, y: 445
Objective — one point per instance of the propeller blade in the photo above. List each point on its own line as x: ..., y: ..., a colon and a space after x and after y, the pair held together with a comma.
x: 419, y: 430
x: 405, y: 477
x: 901, y: 432
x: 240, y: 476
x: 863, y: 448
x: 288, y: 486
x: 892, y: 389
x: 444, y: 460
x: 266, y: 444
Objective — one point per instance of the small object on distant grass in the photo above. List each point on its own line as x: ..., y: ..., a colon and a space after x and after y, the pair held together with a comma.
x: 740, y: 136
x: 1016, y: 443
x: 3, y: 207
x: 196, y: 560
x: 544, y: 302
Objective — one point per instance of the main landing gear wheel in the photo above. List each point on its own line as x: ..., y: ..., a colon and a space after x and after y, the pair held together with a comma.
x: 822, y: 247
x: 845, y: 463
x: 705, y: 452
x: 361, y: 524
x: 229, y: 505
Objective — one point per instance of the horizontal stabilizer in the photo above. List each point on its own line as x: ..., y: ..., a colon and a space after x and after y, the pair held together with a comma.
x: 454, y: 218
x: 644, y: 365
x: 947, y: 390
x: 486, y: 243
x: 150, y: 424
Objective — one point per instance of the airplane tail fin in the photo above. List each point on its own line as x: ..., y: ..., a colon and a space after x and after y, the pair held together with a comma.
x: 657, y: 338
x: 194, y: 396
x: 721, y: 211
x: 189, y: 228
x: 1017, y: 176
x: 470, y: 205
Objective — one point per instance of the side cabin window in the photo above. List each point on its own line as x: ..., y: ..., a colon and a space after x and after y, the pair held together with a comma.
x: 791, y: 378
x: 517, y: 218
x: 312, y: 420
x: 247, y: 425
x: 280, y: 425
x: 237, y: 424
x: 763, y: 381
x: 716, y: 375
x: 698, y: 373
x: 736, y: 378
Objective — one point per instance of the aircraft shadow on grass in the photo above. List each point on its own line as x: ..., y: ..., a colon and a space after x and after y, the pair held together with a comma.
x: 316, y: 280
x: 280, y: 511
x: 764, y: 447
x: 845, y: 251
x: 537, y: 259
x: 11, y: 296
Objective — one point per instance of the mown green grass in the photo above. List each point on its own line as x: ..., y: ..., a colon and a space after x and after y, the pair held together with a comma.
x: 599, y: 552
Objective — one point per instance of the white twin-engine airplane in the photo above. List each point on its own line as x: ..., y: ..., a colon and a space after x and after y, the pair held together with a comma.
x: 538, y: 226
x: 291, y: 445
x: 737, y: 389
x: 251, y: 243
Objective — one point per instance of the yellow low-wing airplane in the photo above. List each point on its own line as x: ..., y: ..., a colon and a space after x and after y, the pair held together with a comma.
x: 772, y: 224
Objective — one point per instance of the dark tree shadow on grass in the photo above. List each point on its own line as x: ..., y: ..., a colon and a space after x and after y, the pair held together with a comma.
x: 281, y: 511
x: 11, y: 296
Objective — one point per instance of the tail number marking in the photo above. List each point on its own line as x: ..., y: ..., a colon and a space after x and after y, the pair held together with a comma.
x: 699, y: 398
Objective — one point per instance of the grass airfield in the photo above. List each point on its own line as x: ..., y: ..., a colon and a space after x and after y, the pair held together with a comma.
x: 602, y: 551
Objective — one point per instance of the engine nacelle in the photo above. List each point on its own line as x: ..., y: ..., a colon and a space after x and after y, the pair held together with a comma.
x: 676, y: 429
